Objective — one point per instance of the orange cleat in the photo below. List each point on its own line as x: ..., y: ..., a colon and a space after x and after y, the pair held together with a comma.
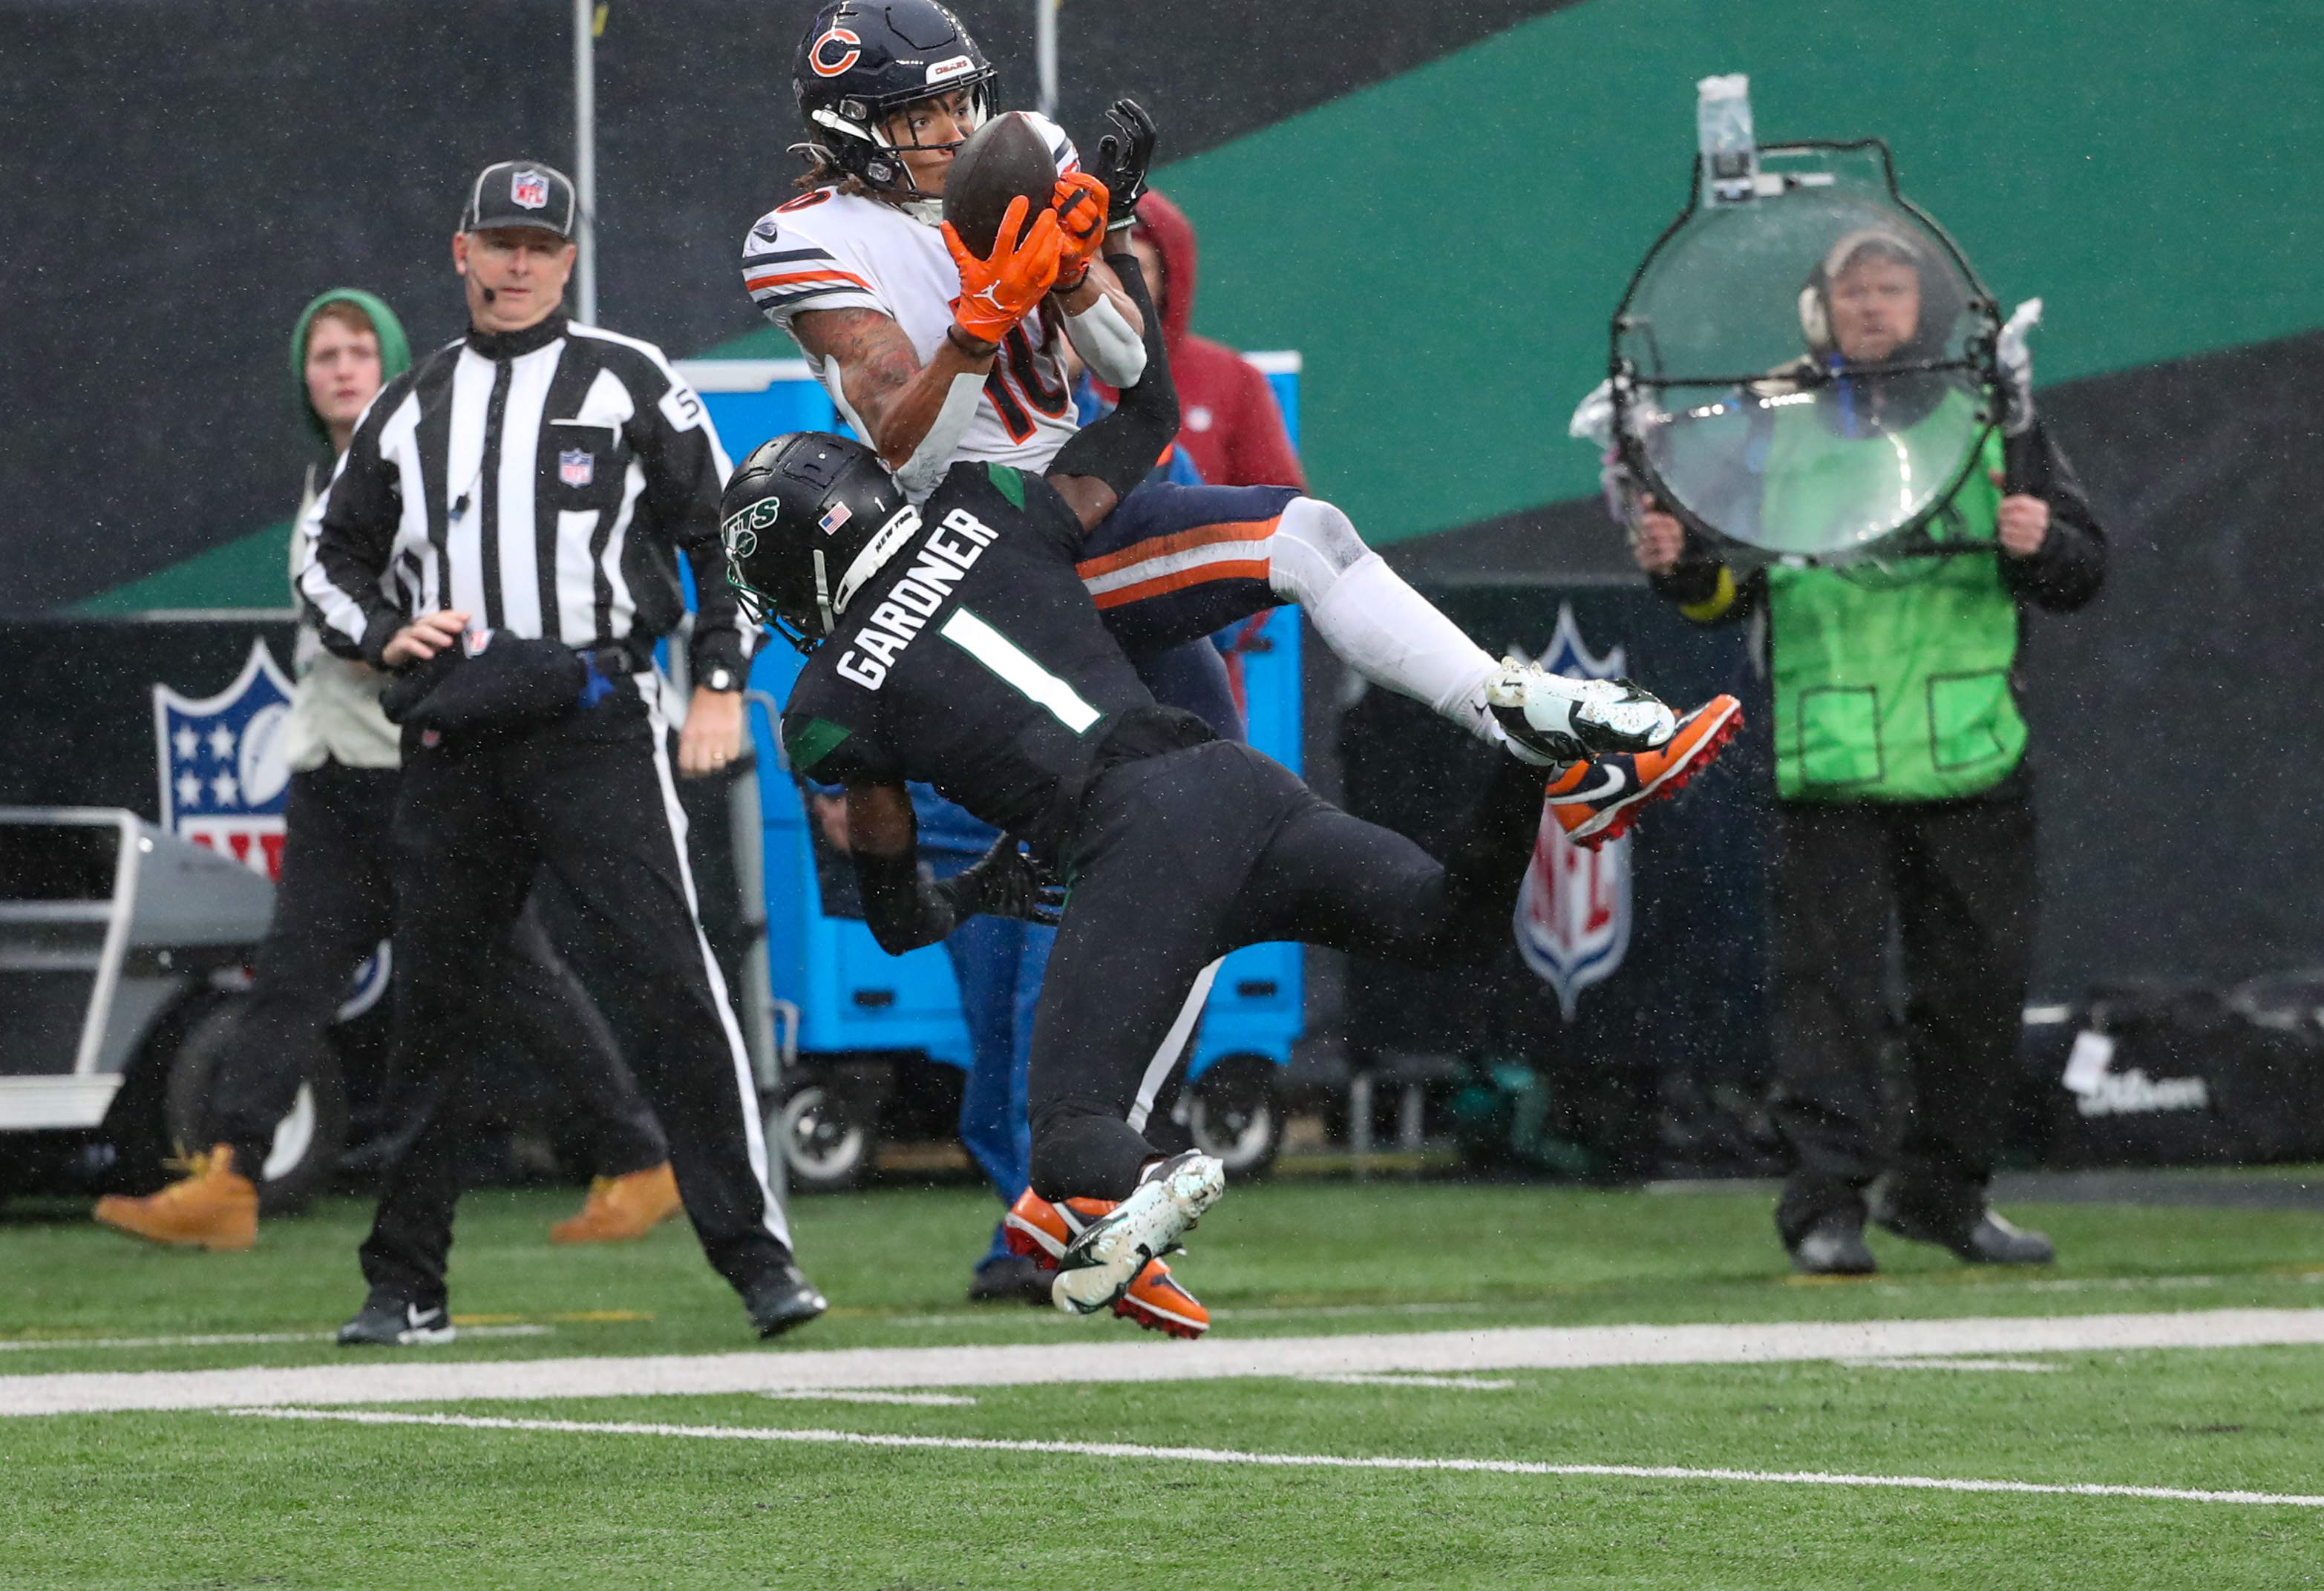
x: 1598, y: 800
x: 213, y: 1207
x: 1041, y: 1231
x: 623, y: 1207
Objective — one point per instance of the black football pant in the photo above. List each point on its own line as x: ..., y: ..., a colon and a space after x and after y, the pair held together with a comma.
x: 333, y: 904
x: 593, y: 803
x: 1958, y: 878
x: 1178, y: 859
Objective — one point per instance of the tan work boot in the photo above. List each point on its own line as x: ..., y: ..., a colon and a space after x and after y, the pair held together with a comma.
x: 623, y: 1207
x: 213, y: 1207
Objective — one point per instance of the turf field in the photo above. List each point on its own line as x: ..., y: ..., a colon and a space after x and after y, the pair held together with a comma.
x: 1814, y: 1472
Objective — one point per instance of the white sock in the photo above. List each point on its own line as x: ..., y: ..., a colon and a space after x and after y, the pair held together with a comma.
x: 1394, y: 637
x: 1374, y: 623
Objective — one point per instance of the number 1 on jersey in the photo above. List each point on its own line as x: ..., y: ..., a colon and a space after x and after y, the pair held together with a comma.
x: 1015, y: 668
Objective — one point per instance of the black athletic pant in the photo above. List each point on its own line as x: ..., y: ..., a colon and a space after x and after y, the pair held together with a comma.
x: 1958, y: 877
x: 591, y: 800
x: 333, y: 904
x: 1178, y: 859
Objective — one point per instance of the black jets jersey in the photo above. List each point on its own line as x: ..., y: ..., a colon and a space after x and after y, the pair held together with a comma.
x: 973, y: 660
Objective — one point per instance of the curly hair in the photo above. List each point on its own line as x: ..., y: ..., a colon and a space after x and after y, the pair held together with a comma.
x: 822, y: 171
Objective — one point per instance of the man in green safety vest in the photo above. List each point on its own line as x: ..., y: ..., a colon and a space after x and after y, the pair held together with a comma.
x: 1900, y: 781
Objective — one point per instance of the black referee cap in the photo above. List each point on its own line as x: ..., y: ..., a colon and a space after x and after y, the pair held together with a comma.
x: 520, y: 193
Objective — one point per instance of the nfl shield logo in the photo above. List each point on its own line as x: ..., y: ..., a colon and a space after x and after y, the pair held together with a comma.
x: 576, y: 468
x: 529, y: 190
x: 224, y: 769
x: 1573, y: 913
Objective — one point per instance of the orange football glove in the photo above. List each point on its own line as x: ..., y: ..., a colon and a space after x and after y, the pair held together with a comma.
x: 996, y: 293
x: 1081, y: 204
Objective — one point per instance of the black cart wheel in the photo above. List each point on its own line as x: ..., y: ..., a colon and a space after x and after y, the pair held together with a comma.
x: 1232, y: 1112
x: 826, y: 1147
x: 307, y: 1140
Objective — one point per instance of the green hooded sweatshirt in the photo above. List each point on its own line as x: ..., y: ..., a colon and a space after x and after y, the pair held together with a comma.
x: 335, y: 712
x: 394, y: 349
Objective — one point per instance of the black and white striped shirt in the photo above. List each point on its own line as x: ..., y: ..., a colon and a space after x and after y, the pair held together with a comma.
x: 545, y: 482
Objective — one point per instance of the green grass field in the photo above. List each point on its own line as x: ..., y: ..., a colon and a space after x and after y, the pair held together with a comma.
x: 209, y: 1499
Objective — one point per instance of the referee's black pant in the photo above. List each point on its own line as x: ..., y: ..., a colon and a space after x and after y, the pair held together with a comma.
x: 591, y: 799
x: 1958, y: 878
x: 333, y: 904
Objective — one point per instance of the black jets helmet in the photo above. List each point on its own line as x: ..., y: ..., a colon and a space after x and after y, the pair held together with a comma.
x: 861, y: 61
x: 808, y: 519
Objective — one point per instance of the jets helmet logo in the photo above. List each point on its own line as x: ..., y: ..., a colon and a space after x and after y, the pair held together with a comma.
x: 743, y: 527
x: 835, y: 51
x: 529, y: 190
x: 1573, y: 912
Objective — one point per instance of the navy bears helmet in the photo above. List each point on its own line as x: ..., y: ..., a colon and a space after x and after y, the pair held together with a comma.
x: 861, y: 62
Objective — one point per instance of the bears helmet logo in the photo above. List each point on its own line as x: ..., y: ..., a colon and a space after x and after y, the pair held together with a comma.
x: 819, y: 55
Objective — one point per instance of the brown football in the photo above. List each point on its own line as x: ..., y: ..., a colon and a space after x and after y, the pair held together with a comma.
x: 1004, y: 158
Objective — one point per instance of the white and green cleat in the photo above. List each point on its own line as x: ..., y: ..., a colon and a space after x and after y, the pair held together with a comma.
x: 1113, y: 1252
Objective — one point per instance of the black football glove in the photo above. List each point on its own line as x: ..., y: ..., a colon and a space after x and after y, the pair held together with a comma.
x: 1004, y: 882
x: 1122, y: 157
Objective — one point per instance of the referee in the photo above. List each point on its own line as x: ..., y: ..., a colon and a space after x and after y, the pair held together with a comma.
x: 505, y: 530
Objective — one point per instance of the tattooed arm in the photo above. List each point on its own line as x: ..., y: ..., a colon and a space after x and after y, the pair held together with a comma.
x: 895, y: 396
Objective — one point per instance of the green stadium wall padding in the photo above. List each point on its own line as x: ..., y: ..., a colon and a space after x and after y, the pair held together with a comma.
x: 251, y: 571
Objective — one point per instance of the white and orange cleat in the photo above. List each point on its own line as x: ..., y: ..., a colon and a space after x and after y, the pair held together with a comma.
x: 1114, y: 1252
x: 1043, y: 1231
x: 1596, y: 801
x: 1550, y: 720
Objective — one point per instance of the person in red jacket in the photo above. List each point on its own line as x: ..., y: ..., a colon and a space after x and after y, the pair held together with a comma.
x: 1231, y: 429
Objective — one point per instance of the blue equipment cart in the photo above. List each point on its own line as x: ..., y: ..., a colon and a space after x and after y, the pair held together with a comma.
x: 854, y: 1012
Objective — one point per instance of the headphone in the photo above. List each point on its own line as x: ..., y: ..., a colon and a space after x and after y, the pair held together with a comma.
x: 1942, y: 302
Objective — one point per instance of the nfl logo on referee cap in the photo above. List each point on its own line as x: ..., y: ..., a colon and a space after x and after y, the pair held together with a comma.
x: 1572, y: 919
x: 576, y: 466
x: 528, y: 190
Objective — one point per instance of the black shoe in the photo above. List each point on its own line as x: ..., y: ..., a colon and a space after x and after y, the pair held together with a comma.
x: 1986, y: 1241
x: 1013, y: 1279
x: 390, y: 1322
x: 782, y: 1300
x: 1833, y: 1247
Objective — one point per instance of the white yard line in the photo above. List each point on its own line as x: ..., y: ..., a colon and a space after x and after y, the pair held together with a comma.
x: 17, y: 1345
x: 855, y: 1438
x: 1455, y: 1382
x: 423, y: 1375
x: 2033, y: 1365
x: 924, y: 1400
x: 1263, y: 1313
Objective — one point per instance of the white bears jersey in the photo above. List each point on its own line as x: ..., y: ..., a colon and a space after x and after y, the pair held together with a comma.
x: 828, y: 249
